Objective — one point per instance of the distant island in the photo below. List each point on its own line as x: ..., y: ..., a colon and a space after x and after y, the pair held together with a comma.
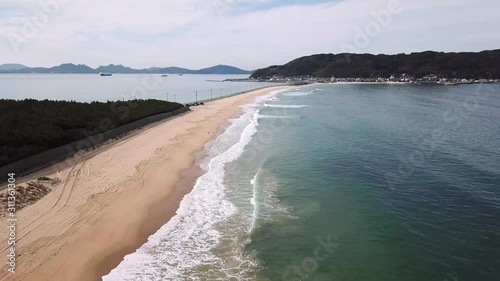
x: 12, y: 67
x: 69, y: 68
x: 468, y: 67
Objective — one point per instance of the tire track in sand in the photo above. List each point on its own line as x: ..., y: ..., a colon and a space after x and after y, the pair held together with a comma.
x: 70, y: 181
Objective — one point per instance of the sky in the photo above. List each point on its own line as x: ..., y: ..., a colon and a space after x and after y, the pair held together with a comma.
x: 249, y: 34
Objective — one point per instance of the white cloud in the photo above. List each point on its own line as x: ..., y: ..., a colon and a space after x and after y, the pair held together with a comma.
x: 198, y: 33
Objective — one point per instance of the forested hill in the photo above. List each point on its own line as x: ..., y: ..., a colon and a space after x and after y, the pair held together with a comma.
x: 484, y: 64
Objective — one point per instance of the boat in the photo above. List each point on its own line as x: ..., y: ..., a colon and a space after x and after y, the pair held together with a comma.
x: 450, y: 84
x: 180, y: 74
x: 105, y: 74
x: 164, y: 75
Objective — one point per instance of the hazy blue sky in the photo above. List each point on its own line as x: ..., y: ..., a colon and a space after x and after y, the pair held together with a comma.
x: 245, y: 33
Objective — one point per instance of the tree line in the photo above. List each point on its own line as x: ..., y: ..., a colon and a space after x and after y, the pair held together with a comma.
x: 29, y: 127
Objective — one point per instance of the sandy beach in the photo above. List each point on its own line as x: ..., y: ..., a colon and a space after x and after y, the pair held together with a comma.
x: 111, y: 201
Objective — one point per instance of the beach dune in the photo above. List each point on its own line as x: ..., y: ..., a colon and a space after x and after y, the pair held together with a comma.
x: 109, y: 202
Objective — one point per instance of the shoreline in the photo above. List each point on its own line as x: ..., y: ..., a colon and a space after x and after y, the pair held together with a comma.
x: 161, y: 212
x: 370, y: 83
x: 108, y: 205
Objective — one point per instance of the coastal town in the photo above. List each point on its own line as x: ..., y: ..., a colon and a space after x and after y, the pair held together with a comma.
x: 428, y: 79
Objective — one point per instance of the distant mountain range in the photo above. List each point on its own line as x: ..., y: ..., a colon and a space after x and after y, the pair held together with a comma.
x: 485, y: 64
x: 11, y: 66
x: 82, y: 69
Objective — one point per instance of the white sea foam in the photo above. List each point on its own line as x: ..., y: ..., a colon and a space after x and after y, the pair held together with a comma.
x: 268, y: 208
x: 186, y: 241
x: 263, y: 116
x: 297, y: 94
x: 254, y: 201
x: 284, y: 106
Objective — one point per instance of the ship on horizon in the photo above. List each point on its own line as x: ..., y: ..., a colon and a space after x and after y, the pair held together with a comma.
x: 105, y: 74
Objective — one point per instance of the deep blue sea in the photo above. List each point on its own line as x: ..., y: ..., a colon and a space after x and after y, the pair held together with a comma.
x: 342, y: 182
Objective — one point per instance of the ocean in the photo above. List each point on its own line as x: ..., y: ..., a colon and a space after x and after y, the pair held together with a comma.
x: 92, y: 87
x: 342, y: 182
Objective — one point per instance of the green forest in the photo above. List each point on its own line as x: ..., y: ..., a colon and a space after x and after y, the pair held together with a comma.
x: 29, y: 127
x: 484, y: 64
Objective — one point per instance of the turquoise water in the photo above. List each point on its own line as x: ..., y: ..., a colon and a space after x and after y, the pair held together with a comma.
x: 342, y: 182
x: 363, y: 164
